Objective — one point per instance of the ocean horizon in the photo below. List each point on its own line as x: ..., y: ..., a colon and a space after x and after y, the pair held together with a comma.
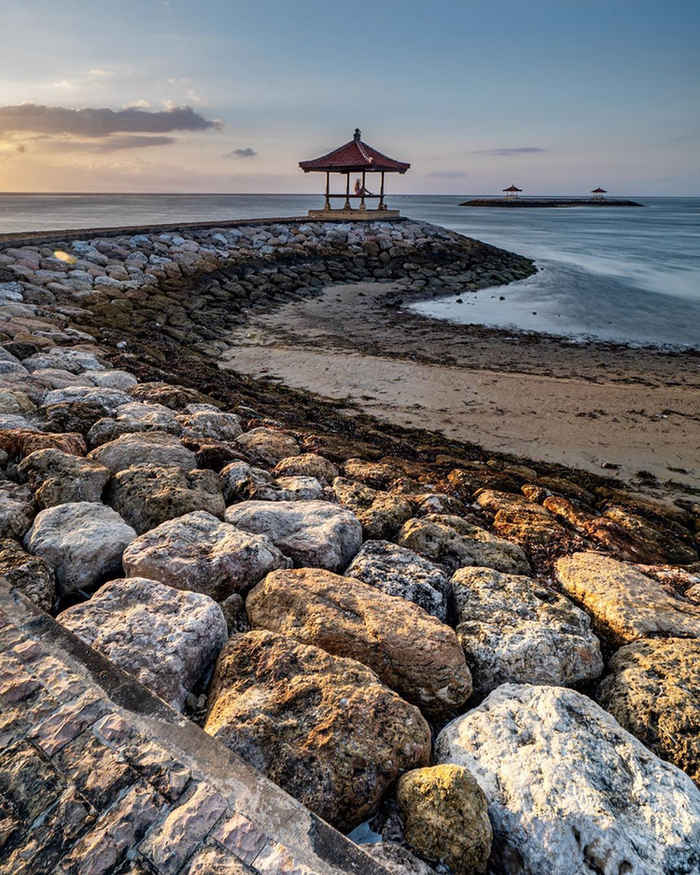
x: 618, y: 274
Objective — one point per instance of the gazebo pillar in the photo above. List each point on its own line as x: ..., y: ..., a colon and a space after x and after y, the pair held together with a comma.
x: 381, y: 194
x: 328, y: 190
x: 347, y: 192
x: 362, y: 199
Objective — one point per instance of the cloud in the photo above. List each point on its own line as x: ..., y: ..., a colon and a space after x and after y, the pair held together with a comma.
x: 247, y: 152
x: 110, y: 144
x: 59, y: 120
x: 448, y: 174
x: 505, y: 153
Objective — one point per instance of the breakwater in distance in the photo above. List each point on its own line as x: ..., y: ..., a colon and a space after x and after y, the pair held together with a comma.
x: 193, y: 284
x: 549, y: 202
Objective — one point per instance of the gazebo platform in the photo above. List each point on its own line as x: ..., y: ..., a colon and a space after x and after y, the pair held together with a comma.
x: 355, y: 215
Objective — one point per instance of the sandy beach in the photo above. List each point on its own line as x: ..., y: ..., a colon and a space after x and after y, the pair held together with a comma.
x: 597, y: 407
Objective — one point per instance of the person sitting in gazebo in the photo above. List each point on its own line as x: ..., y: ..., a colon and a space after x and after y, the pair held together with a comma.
x: 360, y: 189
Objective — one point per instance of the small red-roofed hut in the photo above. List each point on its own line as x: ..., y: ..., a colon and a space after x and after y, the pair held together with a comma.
x: 512, y: 191
x: 355, y: 157
x: 599, y: 192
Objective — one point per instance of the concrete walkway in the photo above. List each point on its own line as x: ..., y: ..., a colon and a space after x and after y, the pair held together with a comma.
x: 97, y: 775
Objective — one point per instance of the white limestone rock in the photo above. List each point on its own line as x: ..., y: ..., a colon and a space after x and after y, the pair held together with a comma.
x: 268, y: 446
x: 58, y: 478
x: 401, y: 572
x: 316, y: 534
x: 198, y: 552
x: 167, y: 638
x: 131, y: 418
x: 515, y: 630
x: 83, y: 541
x: 570, y: 791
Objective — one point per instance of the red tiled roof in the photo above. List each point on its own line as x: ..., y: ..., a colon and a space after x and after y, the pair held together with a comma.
x: 512, y: 188
x: 599, y: 190
x: 352, y: 157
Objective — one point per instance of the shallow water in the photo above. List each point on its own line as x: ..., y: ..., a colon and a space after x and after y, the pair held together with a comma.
x: 622, y: 274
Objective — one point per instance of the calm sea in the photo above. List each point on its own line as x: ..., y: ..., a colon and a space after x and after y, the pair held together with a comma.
x: 615, y: 273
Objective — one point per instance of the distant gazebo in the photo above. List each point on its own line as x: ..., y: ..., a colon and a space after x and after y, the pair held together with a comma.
x: 599, y: 193
x: 512, y: 191
x: 354, y: 157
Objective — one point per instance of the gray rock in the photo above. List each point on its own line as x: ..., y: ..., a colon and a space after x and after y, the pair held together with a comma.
x: 200, y: 553
x: 136, y: 416
x: 241, y: 481
x: 313, y: 533
x: 148, y: 495
x: 397, y: 860
x: 211, y: 424
x: 16, y: 509
x: 569, y: 790
x: 108, y: 399
x: 515, y: 630
x: 456, y: 543
x: 401, y: 572
x: 83, y: 541
x: 111, y: 379
x: 56, y: 477
x: 168, y: 639
x: 153, y: 448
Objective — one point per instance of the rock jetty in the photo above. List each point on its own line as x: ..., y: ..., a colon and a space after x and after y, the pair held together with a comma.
x: 219, y: 596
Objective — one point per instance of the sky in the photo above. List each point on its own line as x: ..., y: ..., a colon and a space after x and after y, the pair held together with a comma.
x: 227, y: 96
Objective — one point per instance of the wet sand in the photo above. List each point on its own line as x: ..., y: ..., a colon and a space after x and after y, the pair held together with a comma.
x: 588, y: 406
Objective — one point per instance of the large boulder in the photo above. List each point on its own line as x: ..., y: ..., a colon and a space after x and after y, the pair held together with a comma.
x: 323, y: 728
x: 401, y: 572
x: 168, y: 639
x: 454, y: 542
x: 58, y: 478
x: 16, y: 509
x: 515, y: 629
x: 412, y: 652
x: 571, y: 791
x: 153, y: 448
x: 170, y: 395
x: 267, y: 446
x: 32, y: 575
x: 83, y: 541
x: 624, y: 603
x: 148, y: 495
x: 445, y: 817
x: 200, y: 553
x: 653, y: 690
x: 313, y: 533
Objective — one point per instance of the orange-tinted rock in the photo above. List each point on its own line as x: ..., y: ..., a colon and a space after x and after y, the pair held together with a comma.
x: 411, y: 651
x: 322, y: 727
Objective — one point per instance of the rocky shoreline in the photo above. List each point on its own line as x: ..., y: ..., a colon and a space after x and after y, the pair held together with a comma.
x: 494, y: 661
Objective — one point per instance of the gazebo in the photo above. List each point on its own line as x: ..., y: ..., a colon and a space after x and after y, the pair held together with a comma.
x: 512, y: 191
x: 354, y: 157
x: 599, y: 193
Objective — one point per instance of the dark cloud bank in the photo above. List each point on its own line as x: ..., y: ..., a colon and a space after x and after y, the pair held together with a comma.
x: 58, y: 120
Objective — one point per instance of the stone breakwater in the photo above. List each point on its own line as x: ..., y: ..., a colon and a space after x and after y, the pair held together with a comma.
x: 391, y: 627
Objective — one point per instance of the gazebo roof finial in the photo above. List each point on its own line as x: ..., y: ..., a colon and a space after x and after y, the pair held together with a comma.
x: 357, y: 136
